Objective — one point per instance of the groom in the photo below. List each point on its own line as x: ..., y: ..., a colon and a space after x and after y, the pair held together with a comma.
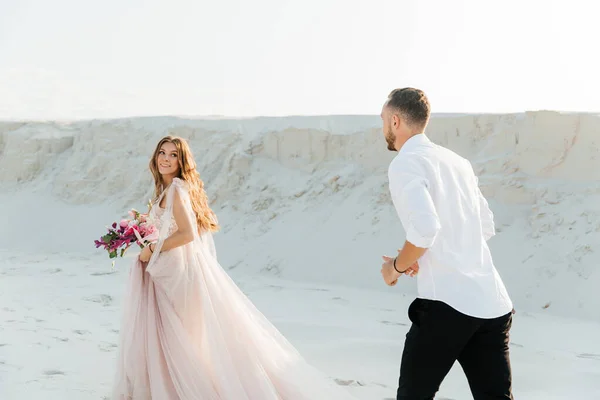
x: 462, y: 310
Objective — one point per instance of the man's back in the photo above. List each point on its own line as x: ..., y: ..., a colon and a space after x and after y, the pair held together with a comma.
x: 457, y: 268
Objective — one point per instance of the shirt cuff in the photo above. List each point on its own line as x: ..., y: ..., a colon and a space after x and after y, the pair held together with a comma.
x: 425, y: 234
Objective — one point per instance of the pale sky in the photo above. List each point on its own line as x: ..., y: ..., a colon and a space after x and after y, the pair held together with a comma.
x: 71, y: 59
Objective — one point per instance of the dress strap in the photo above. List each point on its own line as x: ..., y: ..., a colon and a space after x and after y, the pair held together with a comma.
x: 162, y: 194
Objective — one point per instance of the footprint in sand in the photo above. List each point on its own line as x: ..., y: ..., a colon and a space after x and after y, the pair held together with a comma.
x: 348, y: 382
x: 104, y: 299
x: 103, y: 273
x: 383, y: 309
x: 108, y: 347
x: 393, y: 323
x: 340, y: 299
x: 53, y: 372
x: 34, y: 318
x: 589, y: 356
x: 12, y: 366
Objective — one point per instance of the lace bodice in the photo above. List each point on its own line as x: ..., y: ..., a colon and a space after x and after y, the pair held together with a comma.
x: 156, y: 214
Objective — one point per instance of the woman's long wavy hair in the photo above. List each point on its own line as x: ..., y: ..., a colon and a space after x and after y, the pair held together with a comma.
x: 205, y: 217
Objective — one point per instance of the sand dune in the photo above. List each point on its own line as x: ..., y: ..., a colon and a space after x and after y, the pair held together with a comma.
x: 306, y: 215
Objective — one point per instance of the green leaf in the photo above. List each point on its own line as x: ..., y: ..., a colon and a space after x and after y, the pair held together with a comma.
x: 122, y: 252
x: 112, y: 254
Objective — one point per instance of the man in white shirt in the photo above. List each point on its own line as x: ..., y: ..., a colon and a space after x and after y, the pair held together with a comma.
x: 462, y: 311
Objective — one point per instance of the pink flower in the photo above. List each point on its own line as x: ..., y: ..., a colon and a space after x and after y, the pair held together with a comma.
x: 135, y: 229
x: 152, y: 237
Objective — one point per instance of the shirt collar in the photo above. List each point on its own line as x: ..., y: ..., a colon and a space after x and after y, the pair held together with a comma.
x: 414, y: 142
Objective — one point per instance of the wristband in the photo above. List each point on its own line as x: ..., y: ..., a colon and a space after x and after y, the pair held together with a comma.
x: 396, y: 268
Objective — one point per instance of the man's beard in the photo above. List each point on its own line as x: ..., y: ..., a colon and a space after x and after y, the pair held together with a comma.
x: 390, y: 139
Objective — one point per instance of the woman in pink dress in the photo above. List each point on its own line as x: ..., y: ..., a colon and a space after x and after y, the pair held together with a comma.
x: 188, y: 332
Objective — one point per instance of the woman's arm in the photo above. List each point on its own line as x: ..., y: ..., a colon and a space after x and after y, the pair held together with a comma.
x: 185, y: 226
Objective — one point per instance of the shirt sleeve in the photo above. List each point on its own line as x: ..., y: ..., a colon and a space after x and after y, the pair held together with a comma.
x: 409, y: 189
x: 488, y: 227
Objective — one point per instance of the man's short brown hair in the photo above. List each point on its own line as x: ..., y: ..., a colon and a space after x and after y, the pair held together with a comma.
x: 412, y: 105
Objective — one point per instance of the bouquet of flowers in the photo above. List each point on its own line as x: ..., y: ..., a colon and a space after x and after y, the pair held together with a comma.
x: 136, y: 229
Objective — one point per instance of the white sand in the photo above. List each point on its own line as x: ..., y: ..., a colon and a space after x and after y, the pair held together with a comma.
x: 306, y: 216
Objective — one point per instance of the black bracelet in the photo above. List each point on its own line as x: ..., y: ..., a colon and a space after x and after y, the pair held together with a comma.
x: 150, y: 247
x: 396, y: 268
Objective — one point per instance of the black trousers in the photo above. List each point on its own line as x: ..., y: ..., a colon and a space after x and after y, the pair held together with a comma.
x: 439, y: 336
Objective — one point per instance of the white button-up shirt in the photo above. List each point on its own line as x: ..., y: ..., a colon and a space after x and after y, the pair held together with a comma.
x: 437, y: 197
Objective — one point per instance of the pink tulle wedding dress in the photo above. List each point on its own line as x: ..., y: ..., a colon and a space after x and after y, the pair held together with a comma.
x: 189, y: 333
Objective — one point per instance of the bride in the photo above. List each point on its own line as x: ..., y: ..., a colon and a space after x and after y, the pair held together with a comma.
x: 188, y: 332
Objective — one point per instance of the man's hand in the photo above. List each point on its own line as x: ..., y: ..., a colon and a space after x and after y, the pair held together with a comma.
x: 412, y: 270
x: 390, y: 275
